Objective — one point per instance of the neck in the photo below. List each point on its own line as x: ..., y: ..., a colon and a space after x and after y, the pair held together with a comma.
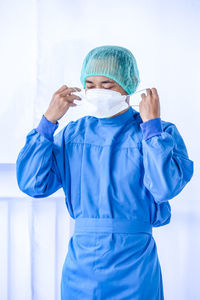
x: 121, y: 112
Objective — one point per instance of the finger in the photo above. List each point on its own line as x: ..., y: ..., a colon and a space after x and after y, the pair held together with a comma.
x: 73, y: 104
x: 143, y: 95
x: 69, y: 101
x: 149, y: 92
x: 154, y: 92
x: 73, y: 89
x: 78, y: 89
x: 67, y: 91
x: 62, y: 88
x: 72, y: 97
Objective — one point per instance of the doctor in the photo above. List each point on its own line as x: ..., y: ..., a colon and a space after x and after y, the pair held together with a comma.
x: 118, y: 169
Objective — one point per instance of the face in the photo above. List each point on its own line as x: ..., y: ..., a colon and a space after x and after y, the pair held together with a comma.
x: 103, y: 82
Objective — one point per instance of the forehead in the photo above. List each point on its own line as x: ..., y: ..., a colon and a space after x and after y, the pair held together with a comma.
x: 98, y: 79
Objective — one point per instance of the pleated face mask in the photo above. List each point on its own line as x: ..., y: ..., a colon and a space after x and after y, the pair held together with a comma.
x: 102, y: 103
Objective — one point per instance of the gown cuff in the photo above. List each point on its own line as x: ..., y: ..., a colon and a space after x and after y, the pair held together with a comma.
x: 47, y: 128
x: 151, y: 128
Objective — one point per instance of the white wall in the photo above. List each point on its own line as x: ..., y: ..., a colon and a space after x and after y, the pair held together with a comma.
x: 43, y: 44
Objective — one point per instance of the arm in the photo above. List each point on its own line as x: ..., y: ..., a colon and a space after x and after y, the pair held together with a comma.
x: 167, y: 167
x: 37, y: 168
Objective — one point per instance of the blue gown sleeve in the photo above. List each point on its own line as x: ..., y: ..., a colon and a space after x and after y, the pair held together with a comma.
x: 167, y: 167
x: 39, y: 163
x: 162, y: 214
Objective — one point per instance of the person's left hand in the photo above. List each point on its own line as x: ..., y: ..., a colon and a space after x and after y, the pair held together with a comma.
x: 149, y: 106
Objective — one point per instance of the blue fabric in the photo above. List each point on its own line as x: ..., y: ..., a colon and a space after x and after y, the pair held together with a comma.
x: 109, y: 170
x: 47, y: 128
x: 151, y: 127
x: 111, y: 225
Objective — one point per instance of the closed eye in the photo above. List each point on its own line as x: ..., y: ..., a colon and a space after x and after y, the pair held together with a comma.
x: 104, y: 87
x: 91, y: 87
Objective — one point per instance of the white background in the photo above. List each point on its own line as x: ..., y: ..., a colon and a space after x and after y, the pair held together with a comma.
x: 43, y: 44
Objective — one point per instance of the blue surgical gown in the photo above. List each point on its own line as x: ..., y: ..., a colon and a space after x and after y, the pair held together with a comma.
x: 118, y: 175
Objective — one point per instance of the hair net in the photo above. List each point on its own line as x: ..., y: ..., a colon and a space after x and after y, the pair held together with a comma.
x: 115, y: 62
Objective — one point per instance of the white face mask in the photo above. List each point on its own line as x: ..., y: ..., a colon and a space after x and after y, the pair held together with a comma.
x: 102, y: 103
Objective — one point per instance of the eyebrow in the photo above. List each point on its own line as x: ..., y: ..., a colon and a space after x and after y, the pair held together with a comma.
x: 105, y: 81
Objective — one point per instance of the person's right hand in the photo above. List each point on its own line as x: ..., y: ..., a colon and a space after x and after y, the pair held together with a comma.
x: 61, y: 101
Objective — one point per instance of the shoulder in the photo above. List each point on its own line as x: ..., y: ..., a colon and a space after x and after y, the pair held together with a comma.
x: 74, y: 128
x: 167, y: 124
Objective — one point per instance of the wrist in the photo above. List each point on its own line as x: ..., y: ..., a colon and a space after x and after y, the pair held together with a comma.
x: 150, y: 118
x: 50, y: 119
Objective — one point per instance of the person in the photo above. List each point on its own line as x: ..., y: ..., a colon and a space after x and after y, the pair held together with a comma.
x: 118, y: 173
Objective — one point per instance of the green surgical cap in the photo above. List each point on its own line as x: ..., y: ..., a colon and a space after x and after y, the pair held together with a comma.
x: 117, y: 63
